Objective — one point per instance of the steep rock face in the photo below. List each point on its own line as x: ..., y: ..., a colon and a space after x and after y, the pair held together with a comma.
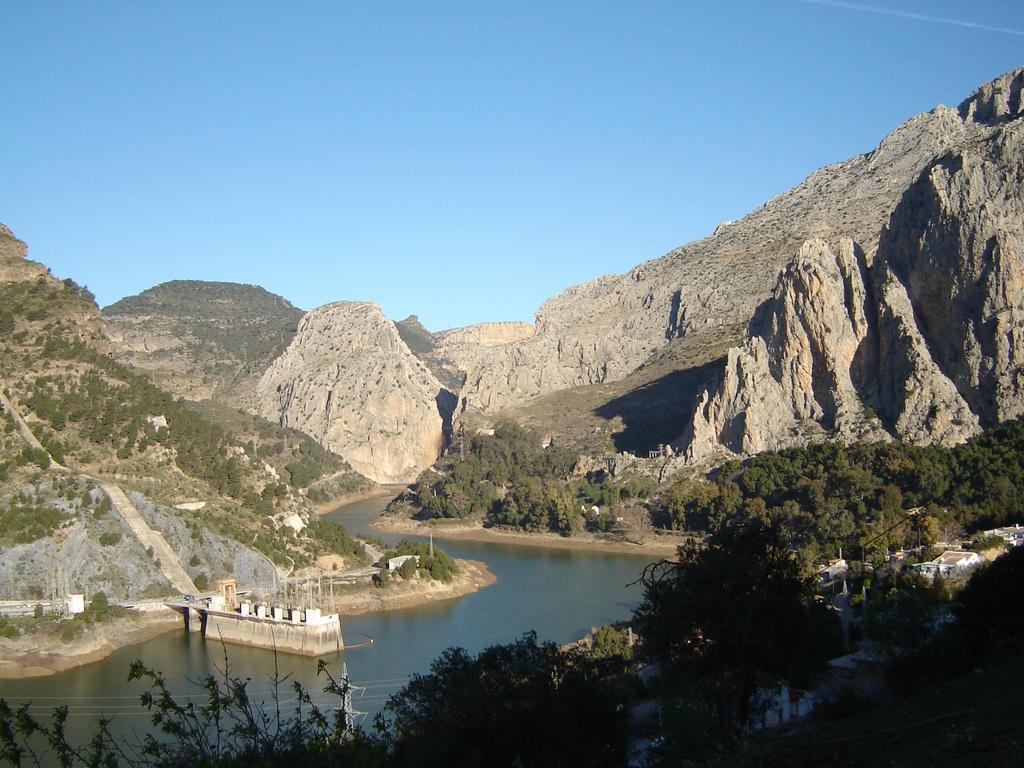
x: 602, y: 330
x: 349, y: 380
x: 14, y: 264
x: 957, y: 243
x: 486, y: 334
x: 919, y: 404
x: 445, y: 352
x: 799, y: 373
x: 925, y: 342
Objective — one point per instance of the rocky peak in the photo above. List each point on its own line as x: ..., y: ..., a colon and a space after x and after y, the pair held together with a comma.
x: 349, y: 380
x: 602, y: 330
x: 15, y: 267
x: 996, y: 101
x: 925, y: 343
x: 48, y: 304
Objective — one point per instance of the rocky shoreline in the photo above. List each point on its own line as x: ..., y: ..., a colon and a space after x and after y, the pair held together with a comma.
x: 350, y: 498
x: 472, y: 576
x: 587, y: 542
x: 26, y: 656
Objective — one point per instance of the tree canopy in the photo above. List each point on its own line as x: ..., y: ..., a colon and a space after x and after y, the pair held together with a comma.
x: 521, y: 704
x: 733, y: 613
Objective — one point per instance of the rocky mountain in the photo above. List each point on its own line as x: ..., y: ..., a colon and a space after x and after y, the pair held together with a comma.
x: 602, y: 330
x: 32, y: 299
x: 81, y: 430
x: 350, y: 381
x: 200, y: 339
x: 449, y: 353
x: 879, y: 297
x: 916, y: 333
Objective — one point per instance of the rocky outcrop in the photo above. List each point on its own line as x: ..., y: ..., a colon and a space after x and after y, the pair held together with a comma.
x: 14, y: 266
x: 64, y: 307
x: 834, y: 353
x: 923, y: 341
x: 957, y: 243
x: 350, y: 381
x: 484, y: 334
x: 602, y: 330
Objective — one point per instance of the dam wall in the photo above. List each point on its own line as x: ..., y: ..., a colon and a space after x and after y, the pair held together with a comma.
x: 305, y: 638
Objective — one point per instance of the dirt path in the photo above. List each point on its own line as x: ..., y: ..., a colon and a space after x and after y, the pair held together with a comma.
x: 170, y: 565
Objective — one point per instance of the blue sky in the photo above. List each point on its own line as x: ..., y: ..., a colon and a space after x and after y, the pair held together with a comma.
x: 458, y: 160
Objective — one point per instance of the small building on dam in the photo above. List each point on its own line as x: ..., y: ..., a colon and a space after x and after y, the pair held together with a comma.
x: 288, y: 629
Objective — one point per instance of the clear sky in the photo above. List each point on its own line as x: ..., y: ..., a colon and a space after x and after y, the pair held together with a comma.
x: 461, y: 161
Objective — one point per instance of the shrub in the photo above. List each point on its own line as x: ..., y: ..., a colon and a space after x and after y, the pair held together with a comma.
x: 7, y: 629
x: 408, y: 569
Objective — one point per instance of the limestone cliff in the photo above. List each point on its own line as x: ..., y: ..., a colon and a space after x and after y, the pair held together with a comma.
x: 484, y: 334
x: 350, y: 381
x: 602, y: 330
x: 922, y: 339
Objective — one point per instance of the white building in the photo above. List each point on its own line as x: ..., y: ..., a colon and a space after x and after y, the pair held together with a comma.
x: 397, y: 562
x: 948, y: 563
x: 75, y: 603
x: 1011, y: 534
x: 832, y: 570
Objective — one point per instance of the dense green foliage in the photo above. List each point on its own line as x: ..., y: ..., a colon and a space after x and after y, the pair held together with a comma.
x: 220, y: 320
x: 297, y: 457
x: 819, y: 498
x: 521, y: 704
x: 734, y: 613
x: 826, y: 496
x: 612, y: 644
x: 508, y: 459
x: 41, y: 301
x: 510, y: 479
x: 331, y: 537
x: 439, y: 565
x: 112, y: 404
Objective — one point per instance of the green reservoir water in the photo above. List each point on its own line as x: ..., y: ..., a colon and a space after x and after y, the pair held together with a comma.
x: 560, y: 594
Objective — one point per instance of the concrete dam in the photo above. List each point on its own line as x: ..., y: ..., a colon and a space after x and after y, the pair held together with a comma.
x: 303, y: 631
